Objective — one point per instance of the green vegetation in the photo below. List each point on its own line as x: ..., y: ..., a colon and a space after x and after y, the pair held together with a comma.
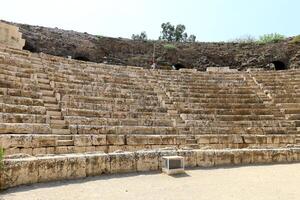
x: 171, y: 33
x: 170, y: 47
x: 140, y: 37
x: 296, y: 40
x: 1, y: 157
x: 271, y: 38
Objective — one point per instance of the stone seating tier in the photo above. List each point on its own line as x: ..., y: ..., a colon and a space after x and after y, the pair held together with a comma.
x: 53, y: 105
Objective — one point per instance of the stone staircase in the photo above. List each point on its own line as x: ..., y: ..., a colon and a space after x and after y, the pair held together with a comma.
x: 57, y: 122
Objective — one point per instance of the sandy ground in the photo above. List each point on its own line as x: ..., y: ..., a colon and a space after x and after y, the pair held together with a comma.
x: 239, y: 183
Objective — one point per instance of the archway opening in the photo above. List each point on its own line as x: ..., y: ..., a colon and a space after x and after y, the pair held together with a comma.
x: 178, y: 66
x: 29, y: 47
x: 82, y: 58
x: 278, y: 65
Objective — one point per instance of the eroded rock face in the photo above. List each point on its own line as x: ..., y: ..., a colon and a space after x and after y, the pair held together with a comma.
x: 88, y: 47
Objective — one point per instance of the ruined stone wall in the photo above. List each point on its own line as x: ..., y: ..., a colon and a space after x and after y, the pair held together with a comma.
x: 29, y: 170
x: 138, y: 53
x: 10, y: 36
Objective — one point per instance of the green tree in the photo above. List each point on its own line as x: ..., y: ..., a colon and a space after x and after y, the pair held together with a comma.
x: 142, y: 36
x: 191, y: 38
x: 171, y: 33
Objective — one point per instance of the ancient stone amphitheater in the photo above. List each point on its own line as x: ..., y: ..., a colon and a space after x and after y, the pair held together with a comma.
x: 62, y: 118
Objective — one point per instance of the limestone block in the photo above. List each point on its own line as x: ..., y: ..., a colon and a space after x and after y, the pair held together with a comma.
x: 11, y: 36
x: 15, y: 128
x: 41, y: 129
x: 247, y: 157
x: 205, y: 158
x: 224, y: 157
x: 155, y: 139
x: 18, y: 172
x: 52, y: 168
x: 250, y: 139
x: 83, y: 140
x: 279, y: 155
x: 261, y: 156
x: 190, y: 157
x: 10, y: 141
x: 27, y: 151
x: 203, y: 139
x: 98, y: 140
x: 115, y: 139
x: 295, y: 154
x: 78, y: 149
x: 63, y: 150
x: 237, y: 156
x: 39, y: 151
x: 180, y: 140
x: 101, y: 149
x: 90, y: 149
x: 147, y: 160
x: 168, y: 140
x: 76, y: 166
x: 43, y: 141
x: 122, y: 162
x: 273, y: 140
x: 97, y: 164
x: 137, y: 139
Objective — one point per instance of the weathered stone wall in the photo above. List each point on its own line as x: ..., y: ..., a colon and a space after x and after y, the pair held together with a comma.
x: 10, y: 36
x: 47, y: 144
x: 31, y: 170
x: 136, y: 53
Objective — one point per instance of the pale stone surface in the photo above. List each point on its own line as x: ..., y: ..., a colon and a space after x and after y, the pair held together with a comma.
x: 26, y: 170
x: 268, y: 182
x: 10, y: 35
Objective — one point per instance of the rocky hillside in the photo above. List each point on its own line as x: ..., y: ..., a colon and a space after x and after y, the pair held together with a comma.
x: 118, y: 51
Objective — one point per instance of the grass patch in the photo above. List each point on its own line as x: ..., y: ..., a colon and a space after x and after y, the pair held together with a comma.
x: 170, y: 47
x: 296, y: 40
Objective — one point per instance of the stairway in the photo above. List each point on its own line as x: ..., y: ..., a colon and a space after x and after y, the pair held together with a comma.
x: 57, y: 122
x: 191, y: 142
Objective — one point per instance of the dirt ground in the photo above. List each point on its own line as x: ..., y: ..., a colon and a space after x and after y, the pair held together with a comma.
x: 271, y: 182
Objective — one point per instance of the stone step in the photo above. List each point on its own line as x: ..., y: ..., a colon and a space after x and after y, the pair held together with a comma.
x: 56, y: 117
x: 61, y: 131
x: 49, y: 99
x: 54, y: 113
x: 58, y: 124
x: 47, y: 93
x: 65, y: 143
x: 65, y: 137
x: 43, y: 80
x: 191, y: 141
x: 193, y: 146
x: 52, y: 107
x: 44, y: 86
x: 40, y: 75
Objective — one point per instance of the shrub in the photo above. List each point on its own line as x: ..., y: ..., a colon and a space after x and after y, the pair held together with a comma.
x: 244, y: 39
x: 296, y: 40
x: 140, y: 37
x: 271, y: 38
x: 170, y: 47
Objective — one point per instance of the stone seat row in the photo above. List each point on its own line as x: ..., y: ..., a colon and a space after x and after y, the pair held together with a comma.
x: 114, y: 107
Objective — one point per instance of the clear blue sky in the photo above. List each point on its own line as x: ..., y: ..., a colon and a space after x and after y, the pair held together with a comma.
x: 209, y: 20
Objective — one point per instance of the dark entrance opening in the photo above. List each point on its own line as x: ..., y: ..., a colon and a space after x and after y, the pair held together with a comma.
x: 82, y: 58
x: 279, y: 65
x: 178, y: 66
x: 29, y: 47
